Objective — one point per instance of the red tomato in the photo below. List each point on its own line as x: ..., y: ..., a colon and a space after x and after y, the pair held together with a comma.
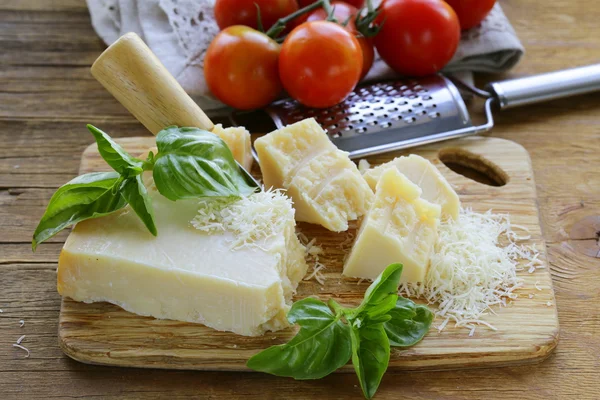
x: 471, y: 12
x: 243, y: 12
x: 355, y: 3
x: 320, y: 63
x: 345, y: 12
x: 241, y: 68
x: 418, y: 37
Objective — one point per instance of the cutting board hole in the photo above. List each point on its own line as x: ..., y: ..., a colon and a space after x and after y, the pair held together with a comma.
x: 473, y: 166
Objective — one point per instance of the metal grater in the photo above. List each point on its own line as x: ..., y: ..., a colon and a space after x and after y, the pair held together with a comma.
x: 376, y: 115
x: 386, y: 116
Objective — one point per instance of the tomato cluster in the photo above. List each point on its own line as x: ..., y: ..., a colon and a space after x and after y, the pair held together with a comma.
x: 321, y: 51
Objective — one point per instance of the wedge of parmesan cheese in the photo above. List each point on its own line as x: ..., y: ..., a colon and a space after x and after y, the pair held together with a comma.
x: 186, y: 273
x: 324, y: 184
x: 424, y: 174
x: 400, y: 227
x: 238, y: 141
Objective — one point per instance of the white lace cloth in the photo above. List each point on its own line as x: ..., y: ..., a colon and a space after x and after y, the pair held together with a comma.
x: 179, y: 32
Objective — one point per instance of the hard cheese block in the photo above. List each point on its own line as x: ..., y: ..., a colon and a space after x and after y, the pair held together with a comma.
x: 238, y: 141
x: 324, y: 184
x: 424, y: 174
x: 400, y: 227
x: 183, y: 273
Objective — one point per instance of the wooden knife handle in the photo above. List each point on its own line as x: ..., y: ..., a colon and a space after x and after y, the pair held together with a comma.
x: 135, y: 76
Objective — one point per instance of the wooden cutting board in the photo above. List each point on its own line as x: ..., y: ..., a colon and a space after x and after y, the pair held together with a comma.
x: 102, y: 333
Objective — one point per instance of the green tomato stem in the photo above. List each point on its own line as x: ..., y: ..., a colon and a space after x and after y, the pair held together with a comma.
x: 282, y: 22
x: 329, y: 10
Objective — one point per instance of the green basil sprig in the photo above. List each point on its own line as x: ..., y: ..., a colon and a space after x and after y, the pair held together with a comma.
x: 190, y: 163
x: 331, y: 335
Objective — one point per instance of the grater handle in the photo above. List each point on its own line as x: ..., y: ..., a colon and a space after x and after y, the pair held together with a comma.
x: 539, y: 88
x: 133, y: 74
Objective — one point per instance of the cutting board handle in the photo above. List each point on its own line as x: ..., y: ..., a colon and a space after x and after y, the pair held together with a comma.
x: 135, y: 76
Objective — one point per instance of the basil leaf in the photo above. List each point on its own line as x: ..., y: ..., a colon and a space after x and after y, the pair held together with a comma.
x: 321, y: 346
x: 114, y: 155
x: 381, y: 296
x: 194, y: 163
x: 408, y: 324
x: 87, y: 196
x: 135, y: 193
x: 370, y: 355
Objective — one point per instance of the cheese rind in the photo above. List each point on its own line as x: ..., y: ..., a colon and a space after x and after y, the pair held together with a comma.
x: 239, y: 142
x: 399, y: 228
x: 183, y: 273
x: 424, y: 174
x: 324, y: 184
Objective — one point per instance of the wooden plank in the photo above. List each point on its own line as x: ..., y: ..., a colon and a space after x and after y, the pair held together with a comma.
x: 556, y: 34
x: 527, y: 330
x: 46, y: 6
x: 19, y: 253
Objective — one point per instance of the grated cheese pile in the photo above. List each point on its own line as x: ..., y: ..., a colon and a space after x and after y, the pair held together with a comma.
x: 251, y: 219
x: 312, y: 253
x: 471, y: 271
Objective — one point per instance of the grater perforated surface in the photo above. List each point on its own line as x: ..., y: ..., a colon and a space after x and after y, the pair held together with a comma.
x: 380, y: 113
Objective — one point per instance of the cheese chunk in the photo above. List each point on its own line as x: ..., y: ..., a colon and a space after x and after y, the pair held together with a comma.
x: 238, y: 141
x: 400, y: 228
x: 183, y: 273
x: 324, y: 184
x: 423, y: 173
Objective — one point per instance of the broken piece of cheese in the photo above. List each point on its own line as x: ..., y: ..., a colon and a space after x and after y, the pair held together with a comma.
x: 238, y: 141
x: 400, y: 227
x: 182, y: 274
x: 424, y: 174
x: 324, y: 184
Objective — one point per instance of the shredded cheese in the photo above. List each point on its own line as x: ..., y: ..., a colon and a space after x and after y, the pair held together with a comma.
x: 252, y: 219
x: 363, y: 166
x: 18, y: 345
x: 312, y: 253
x: 22, y: 348
x: 470, y: 271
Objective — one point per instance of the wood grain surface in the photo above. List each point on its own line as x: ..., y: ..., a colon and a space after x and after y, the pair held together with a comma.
x: 47, y: 95
x: 102, y: 333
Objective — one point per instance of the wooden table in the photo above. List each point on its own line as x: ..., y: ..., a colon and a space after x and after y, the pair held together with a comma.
x: 47, y: 95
